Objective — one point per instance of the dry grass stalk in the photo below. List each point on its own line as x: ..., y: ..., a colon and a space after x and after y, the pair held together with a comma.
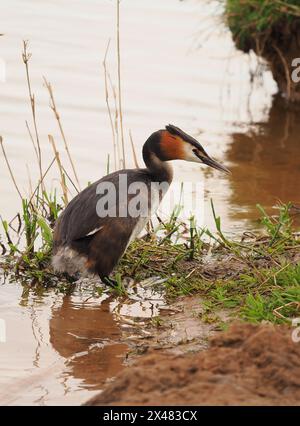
x: 60, y: 168
x: 70, y: 179
x: 277, y: 312
x: 29, y: 180
x: 57, y: 117
x: 133, y: 151
x: 108, y: 106
x: 10, y: 169
x: 119, y: 83
x: 43, y: 177
x: 113, y: 89
x: 32, y: 140
x: 26, y: 58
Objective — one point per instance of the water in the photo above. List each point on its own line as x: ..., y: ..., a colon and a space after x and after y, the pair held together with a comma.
x: 178, y: 65
x: 61, y: 349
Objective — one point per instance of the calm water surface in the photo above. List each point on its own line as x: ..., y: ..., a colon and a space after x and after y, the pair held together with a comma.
x: 178, y: 65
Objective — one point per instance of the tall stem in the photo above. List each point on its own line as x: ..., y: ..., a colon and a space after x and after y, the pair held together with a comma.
x: 119, y: 82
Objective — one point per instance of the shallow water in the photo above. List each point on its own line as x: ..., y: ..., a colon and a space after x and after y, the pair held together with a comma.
x: 178, y: 65
x: 61, y: 349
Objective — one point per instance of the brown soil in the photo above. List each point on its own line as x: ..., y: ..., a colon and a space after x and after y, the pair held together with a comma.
x: 247, y: 365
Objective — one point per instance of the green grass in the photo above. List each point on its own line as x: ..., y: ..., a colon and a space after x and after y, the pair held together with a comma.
x: 255, y: 300
x: 252, y: 18
x: 265, y: 275
x: 27, y: 248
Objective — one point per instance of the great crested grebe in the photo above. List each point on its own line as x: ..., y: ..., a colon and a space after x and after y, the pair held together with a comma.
x: 94, y: 230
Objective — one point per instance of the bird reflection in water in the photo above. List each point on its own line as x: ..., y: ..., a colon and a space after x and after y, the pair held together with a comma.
x: 89, y: 338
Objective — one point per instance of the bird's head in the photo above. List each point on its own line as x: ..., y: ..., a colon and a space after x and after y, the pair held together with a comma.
x: 173, y: 143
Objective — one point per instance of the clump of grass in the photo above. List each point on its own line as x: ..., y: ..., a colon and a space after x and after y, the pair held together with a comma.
x: 250, y: 278
x: 27, y: 239
x: 250, y: 19
x: 256, y: 300
x: 28, y: 248
x: 270, y: 29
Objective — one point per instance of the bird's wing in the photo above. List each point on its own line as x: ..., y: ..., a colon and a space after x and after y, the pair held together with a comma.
x: 80, y: 218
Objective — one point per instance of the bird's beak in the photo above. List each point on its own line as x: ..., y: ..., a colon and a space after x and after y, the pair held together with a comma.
x: 210, y: 162
x: 214, y: 164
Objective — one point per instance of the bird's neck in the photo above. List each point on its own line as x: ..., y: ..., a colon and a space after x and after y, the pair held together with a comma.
x: 161, y: 171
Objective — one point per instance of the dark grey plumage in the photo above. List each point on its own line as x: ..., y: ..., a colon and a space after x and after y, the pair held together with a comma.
x: 75, y: 250
x: 87, y: 242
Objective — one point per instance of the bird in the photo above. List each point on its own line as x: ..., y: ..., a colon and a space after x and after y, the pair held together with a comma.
x: 94, y: 230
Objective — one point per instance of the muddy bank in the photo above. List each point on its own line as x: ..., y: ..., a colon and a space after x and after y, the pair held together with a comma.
x: 247, y: 365
x: 279, y: 48
x: 272, y: 31
x: 181, y: 327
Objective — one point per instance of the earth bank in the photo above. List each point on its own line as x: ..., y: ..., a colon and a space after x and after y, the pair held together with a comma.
x: 246, y: 365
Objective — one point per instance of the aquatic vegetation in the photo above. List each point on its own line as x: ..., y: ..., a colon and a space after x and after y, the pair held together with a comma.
x: 248, y: 19
x: 271, y: 29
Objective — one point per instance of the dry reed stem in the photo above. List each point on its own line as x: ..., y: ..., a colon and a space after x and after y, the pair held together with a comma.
x: 133, y: 151
x: 70, y: 179
x: 10, y: 169
x: 119, y: 83
x: 26, y: 58
x: 119, y: 160
x: 57, y: 117
x: 60, y: 168
x: 108, y: 106
x: 43, y: 177
x: 29, y: 180
x: 32, y: 140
